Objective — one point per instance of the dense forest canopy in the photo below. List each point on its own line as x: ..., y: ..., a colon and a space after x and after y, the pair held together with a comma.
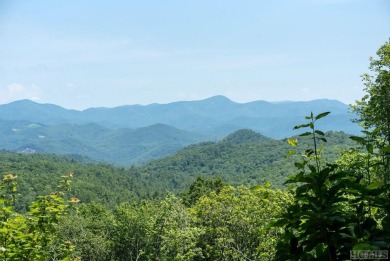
x: 242, y: 158
x: 237, y: 199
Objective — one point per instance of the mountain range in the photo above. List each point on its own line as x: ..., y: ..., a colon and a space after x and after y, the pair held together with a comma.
x: 134, y: 134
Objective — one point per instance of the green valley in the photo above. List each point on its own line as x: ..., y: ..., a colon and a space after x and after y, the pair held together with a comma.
x: 317, y: 195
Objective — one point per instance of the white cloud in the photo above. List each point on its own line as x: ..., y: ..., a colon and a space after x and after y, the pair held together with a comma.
x: 17, y: 91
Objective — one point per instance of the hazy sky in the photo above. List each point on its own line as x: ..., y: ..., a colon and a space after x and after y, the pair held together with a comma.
x: 92, y: 53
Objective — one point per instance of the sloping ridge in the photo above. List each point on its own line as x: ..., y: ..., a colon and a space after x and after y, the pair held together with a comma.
x: 122, y: 146
x: 214, y: 117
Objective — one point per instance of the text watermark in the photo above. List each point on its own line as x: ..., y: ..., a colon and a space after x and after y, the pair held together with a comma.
x: 369, y: 254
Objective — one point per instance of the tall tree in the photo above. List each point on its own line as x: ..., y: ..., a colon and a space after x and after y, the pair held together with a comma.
x: 374, y: 108
x: 374, y: 112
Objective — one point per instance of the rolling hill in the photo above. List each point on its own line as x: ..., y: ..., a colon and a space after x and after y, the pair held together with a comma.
x: 119, y: 146
x: 244, y: 157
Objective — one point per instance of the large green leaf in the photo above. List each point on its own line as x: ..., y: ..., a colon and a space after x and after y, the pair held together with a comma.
x: 321, y: 115
x: 305, y: 134
x: 301, y: 126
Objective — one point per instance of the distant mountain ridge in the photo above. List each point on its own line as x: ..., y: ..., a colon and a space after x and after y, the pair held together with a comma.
x: 214, y: 117
x: 134, y: 134
x: 119, y: 146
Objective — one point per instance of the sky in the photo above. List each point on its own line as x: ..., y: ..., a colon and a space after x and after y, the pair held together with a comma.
x: 93, y: 53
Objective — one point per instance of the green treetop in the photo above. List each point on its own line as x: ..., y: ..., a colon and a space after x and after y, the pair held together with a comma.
x: 374, y: 107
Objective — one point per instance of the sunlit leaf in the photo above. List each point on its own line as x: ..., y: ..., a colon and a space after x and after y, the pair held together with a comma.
x: 292, y: 142
x: 290, y: 153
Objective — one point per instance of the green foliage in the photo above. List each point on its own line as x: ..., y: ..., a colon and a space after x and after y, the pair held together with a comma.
x: 34, y: 235
x: 231, y: 225
x: 316, y: 222
x: 244, y: 136
x: 244, y: 163
x: 201, y: 187
x: 333, y: 210
x: 132, y: 228
x: 344, y: 206
x: 237, y: 222
x: 155, y: 231
x: 38, y: 174
x: 374, y: 114
x: 90, y: 230
x: 336, y: 204
x: 374, y: 107
x: 364, y: 178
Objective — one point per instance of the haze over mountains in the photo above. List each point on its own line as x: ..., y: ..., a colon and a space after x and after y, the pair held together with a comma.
x: 135, y: 133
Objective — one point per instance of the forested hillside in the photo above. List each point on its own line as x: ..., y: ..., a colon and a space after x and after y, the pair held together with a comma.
x: 244, y: 157
x: 117, y: 146
x: 237, y: 159
x: 314, y: 196
x: 39, y: 174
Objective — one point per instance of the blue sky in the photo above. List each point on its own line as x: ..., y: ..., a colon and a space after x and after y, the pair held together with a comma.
x: 81, y: 54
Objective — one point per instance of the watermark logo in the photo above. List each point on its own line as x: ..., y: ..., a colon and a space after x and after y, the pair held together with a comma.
x: 369, y: 254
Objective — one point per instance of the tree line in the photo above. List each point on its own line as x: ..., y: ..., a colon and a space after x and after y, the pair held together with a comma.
x: 329, y: 208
